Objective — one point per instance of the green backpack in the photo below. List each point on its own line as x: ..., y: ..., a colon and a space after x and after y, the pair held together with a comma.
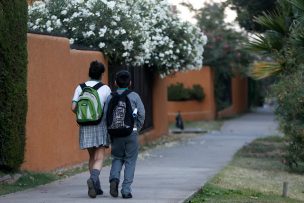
x: 88, y: 109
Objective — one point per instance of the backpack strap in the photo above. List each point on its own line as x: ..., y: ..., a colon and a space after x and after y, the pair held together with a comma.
x: 83, y: 85
x: 97, y: 86
x: 126, y: 92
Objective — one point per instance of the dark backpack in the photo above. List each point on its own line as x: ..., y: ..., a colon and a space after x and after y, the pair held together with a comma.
x: 120, y: 121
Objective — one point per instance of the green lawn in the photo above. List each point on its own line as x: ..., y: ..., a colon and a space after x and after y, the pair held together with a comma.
x: 256, y: 174
x: 28, y: 180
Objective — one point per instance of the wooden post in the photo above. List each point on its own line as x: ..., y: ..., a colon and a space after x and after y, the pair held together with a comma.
x: 285, y: 189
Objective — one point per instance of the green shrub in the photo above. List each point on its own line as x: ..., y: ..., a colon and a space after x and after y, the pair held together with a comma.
x: 197, y: 93
x: 177, y: 92
x: 290, y: 112
x: 13, y: 72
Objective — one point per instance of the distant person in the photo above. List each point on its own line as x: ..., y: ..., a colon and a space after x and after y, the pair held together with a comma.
x: 179, y: 121
x: 125, y: 118
x: 88, y: 103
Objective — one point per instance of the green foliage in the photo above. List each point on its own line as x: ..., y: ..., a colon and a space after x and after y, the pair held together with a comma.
x: 248, y: 9
x: 13, y: 74
x: 178, y: 92
x: 283, y: 42
x: 224, y: 51
x: 197, y: 93
x: 290, y: 111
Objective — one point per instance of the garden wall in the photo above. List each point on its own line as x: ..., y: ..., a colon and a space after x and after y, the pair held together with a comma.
x: 51, y: 131
x: 194, y: 110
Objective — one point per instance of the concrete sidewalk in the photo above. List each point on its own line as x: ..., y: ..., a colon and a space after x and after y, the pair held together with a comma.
x: 170, y: 173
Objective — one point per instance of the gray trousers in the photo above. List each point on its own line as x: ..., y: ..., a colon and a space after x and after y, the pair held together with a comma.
x: 124, y: 152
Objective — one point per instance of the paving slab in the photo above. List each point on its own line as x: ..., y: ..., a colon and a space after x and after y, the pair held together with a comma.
x: 166, y: 174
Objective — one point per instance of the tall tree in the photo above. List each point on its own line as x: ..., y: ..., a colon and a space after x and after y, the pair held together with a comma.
x: 283, y: 42
x: 13, y: 74
x: 224, y: 51
x: 248, y: 9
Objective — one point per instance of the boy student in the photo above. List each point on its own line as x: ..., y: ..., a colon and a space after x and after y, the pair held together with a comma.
x: 88, y: 102
x: 125, y: 118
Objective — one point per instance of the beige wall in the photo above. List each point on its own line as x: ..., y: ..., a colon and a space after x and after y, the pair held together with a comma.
x: 194, y: 110
x: 51, y: 131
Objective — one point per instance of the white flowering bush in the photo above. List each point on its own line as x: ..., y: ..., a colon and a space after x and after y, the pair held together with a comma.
x: 133, y: 32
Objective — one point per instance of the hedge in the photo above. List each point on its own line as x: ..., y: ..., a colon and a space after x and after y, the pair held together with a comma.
x: 13, y: 72
x: 177, y: 92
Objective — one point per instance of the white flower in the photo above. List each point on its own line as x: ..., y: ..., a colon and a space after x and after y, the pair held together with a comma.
x: 48, y: 23
x: 101, y: 45
x: 72, y: 41
x: 116, y: 32
x: 49, y: 29
x: 111, y: 4
x: 64, y: 12
x: 102, y: 31
x: 117, y: 18
x: 128, y: 45
x: 58, y: 23
x: 92, y: 27
x: 125, y: 54
x: 37, y: 21
x: 161, y: 55
x: 123, y: 31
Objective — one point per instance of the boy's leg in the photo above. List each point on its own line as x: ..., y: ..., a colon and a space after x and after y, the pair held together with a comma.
x: 130, y: 163
x: 116, y: 169
x: 118, y: 153
x: 115, y: 176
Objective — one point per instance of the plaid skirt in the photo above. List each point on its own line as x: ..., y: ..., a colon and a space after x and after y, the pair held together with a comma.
x: 93, y: 136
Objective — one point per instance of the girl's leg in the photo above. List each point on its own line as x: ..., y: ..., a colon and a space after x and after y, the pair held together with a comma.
x: 91, y: 159
x: 96, y: 165
x: 98, y: 158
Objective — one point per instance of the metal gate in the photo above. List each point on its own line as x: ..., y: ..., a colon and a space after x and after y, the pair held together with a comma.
x: 142, y: 83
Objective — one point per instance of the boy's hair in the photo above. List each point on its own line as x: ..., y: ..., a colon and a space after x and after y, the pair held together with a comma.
x: 123, y: 79
x: 96, y: 70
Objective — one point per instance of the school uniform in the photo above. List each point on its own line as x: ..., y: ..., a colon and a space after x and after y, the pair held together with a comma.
x: 125, y: 149
x: 94, y: 135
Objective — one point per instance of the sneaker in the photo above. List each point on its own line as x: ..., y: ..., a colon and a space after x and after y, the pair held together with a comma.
x: 99, y: 192
x: 114, y: 188
x: 91, y: 189
x: 127, y: 196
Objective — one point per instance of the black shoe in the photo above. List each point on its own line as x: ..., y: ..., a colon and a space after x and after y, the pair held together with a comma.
x: 99, y: 192
x: 91, y: 189
x: 114, y: 188
x: 127, y: 196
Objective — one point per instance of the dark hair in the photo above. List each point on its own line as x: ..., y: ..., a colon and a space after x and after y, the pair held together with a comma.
x: 123, y: 78
x: 96, y: 70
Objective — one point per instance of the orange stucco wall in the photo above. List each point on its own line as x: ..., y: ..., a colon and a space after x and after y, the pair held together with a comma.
x: 51, y: 131
x: 239, y: 97
x: 193, y: 110
x: 53, y: 73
